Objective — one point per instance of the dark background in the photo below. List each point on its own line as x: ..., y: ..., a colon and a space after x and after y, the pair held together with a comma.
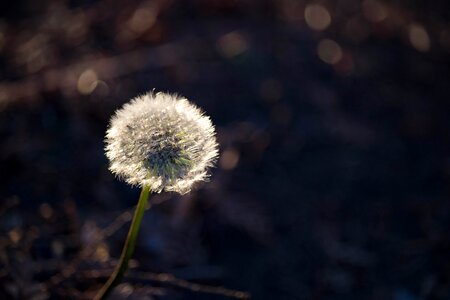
x: 333, y: 121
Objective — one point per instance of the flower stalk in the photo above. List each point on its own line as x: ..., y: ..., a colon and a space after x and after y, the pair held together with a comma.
x: 128, y: 248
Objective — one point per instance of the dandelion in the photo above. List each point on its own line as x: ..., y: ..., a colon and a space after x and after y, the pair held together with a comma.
x: 162, y: 141
x: 159, y: 142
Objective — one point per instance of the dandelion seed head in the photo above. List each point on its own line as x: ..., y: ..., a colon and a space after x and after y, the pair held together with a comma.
x: 162, y: 141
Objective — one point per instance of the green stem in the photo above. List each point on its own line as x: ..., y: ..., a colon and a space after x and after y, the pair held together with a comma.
x: 128, y: 248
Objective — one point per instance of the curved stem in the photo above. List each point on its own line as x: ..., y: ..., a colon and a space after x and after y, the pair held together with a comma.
x: 128, y: 248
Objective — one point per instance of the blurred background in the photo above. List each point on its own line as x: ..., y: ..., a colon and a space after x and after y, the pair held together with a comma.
x: 333, y: 121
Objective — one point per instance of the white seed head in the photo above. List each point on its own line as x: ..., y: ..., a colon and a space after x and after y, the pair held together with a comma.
x: 162, y: 141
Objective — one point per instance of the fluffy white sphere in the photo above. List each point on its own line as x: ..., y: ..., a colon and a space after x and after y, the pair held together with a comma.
x: 162, y: 141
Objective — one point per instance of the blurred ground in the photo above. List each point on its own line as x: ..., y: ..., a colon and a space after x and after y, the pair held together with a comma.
x: 333, y: 120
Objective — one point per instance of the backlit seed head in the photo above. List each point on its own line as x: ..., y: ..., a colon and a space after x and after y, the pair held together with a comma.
x: 162, y: 141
